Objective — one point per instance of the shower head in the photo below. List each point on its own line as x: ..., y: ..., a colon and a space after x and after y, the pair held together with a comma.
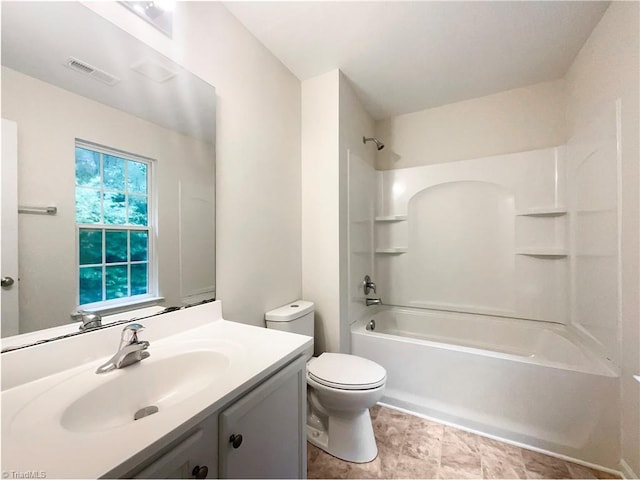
x: 379, y: 144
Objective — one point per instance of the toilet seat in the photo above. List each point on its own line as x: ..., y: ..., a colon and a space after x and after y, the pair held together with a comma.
x: 346, y: 372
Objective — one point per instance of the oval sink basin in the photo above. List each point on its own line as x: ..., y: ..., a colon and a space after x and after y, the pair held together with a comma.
x: 162, y: 383
x: 89, y: 402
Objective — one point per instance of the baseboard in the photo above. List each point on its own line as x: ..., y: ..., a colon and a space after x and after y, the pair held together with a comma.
x: 627, y: 472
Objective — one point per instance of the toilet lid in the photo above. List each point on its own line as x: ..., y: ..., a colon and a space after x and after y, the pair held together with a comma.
x: 346, y: 372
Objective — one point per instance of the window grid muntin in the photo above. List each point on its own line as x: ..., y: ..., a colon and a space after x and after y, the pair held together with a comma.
x: 128, y: 157
x: 151, y: 217
x: 103, y: 265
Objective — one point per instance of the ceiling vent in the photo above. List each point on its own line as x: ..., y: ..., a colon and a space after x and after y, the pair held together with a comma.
x: 95, y: 73
x: 154, y: 70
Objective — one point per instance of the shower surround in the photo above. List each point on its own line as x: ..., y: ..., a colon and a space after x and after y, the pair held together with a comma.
x: 482, y: 236
x: 486, y: 269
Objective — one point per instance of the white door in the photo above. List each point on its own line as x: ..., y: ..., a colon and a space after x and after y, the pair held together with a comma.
x: 9, y: 231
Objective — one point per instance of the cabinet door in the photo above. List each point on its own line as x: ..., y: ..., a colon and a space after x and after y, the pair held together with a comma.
x: 263, y: 434
x: 192, y: 457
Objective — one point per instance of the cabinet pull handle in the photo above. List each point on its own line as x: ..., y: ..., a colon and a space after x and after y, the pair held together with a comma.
x: 235, y: 440
x: 200, y: 472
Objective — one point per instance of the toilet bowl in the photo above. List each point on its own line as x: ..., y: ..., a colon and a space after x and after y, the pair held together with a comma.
x: 340, y: 390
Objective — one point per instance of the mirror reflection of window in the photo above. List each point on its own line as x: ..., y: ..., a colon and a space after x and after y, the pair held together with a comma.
x: 114, y: 226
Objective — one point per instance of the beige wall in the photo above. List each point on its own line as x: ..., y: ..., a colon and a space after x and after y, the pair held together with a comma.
x: 49, y: 120
x: 258, y: 213
x: 507, y: 122
x: 320, y: 206
x: 355, y: 123
x: 606, y: 69
x: 333, y: 123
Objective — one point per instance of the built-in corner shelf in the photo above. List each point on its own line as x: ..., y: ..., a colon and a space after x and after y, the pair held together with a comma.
x: 392, y: 251
x: 543, y: 252
x: 392, y: 218
x: 542, y: 212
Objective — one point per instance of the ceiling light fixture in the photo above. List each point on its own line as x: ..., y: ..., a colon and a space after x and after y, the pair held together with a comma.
x: 158, y: 13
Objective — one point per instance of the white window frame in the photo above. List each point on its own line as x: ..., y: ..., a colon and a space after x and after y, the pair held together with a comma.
x: 152, y: 219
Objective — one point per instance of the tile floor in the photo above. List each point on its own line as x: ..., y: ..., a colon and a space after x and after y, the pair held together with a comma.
x: 412, y: 447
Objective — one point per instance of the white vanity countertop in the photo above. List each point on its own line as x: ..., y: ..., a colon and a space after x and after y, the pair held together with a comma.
x: 35, y: 440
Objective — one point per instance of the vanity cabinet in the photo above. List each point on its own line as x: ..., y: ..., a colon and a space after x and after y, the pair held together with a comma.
x: 209, y: 378
x: 259, y: 434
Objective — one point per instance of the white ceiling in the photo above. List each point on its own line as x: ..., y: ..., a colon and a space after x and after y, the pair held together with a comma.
x: 408, y: 56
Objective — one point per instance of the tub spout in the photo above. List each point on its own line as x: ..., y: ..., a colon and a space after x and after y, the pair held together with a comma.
x: 373, y: 301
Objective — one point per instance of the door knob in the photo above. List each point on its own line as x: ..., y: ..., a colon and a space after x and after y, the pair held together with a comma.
x: 6, y: 281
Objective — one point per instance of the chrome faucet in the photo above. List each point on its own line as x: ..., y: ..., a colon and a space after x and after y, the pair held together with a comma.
x: 89, y: 320
x: 130, y: 351
x: 373, y: 301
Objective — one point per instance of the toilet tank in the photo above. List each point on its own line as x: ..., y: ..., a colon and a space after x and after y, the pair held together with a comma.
x: 295, y: 317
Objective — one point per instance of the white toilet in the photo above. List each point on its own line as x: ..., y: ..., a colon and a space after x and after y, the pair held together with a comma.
x: 341, y: 388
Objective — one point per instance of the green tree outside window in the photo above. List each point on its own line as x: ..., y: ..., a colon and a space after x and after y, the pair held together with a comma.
x: 112, y: 215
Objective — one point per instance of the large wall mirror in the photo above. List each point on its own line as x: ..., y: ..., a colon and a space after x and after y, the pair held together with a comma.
x: 115, y: 164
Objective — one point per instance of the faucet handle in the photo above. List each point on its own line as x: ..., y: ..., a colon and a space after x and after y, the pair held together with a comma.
x: 134, y: 328
x: 368, y: 285
x: 89, y: 319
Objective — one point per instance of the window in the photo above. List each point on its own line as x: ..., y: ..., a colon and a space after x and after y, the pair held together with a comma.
x: 114, y: 226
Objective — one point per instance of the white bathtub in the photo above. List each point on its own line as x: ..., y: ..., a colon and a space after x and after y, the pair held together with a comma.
x: 529, y: 382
